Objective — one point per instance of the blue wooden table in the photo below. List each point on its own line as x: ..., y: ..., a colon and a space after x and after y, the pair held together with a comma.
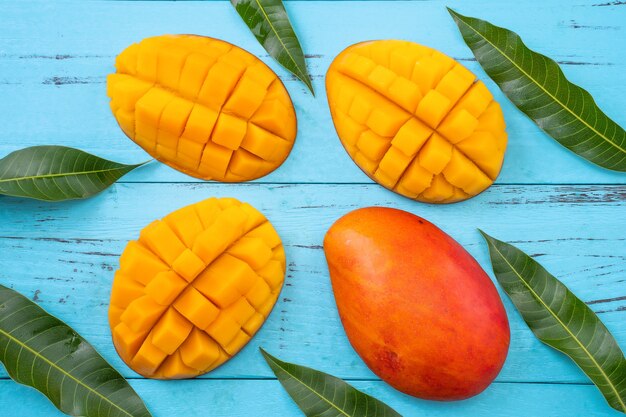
x: 54, y: 57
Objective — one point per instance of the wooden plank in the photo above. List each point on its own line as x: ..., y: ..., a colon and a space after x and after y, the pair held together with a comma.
x: 63, y: 256
x: 229, y: 398
x: 54, y: 57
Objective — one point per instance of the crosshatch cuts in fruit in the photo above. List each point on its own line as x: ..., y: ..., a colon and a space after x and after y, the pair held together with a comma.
x: 195, y: 288
x: 203, y: 106
x: 416, y: 121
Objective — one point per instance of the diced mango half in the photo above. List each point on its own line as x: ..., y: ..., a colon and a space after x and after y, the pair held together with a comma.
x: 203, y: 106
x: 416, y: 121
x: 195, y: 288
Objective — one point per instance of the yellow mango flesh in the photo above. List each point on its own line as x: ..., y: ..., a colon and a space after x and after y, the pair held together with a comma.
x: 415, y: 120
x: 195, y: 288
x: 203, y: 106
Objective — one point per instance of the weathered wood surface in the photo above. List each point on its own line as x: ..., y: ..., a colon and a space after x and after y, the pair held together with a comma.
x: 266, y: 398
x: 64, y: 257
x: 54, y: 57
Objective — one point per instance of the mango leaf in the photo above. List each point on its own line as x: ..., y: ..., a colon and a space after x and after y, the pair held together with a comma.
x: 57, y: 173
x: 319, y: 394
x: 41, y: 351
x: 269, y: 23
x: 537, y: 86
x: 561, y: 320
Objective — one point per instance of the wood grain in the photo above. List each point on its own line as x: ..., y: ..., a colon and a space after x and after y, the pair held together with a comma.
x: 266, y: 398
x: 569, y: 214
x: 54, y: 58
x: 65, y: 256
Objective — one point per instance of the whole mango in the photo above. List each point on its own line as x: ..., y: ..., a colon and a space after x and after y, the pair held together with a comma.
x: 416, y: 307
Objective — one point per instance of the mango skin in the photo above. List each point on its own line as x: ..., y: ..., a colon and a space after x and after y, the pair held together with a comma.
x: 415, y: 305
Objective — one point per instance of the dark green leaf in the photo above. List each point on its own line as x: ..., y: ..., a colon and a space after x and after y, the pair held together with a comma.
x: 538, y: 87
x: 319, y: 394
x: 561, y: 320
x: 41, y: 351
x: 269, y: 23
x: 56, y: 173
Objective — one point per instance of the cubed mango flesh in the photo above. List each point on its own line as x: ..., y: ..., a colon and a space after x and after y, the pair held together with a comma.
x: 415, y: 120
x: 195, y: 288
x: 203, y: 106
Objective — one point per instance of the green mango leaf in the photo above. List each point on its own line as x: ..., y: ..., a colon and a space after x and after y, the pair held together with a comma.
x: 537, y: 86
x: 269, y: 23
x: 41, y: 351
x: 57, y: 173
x: 319, y: 394
x: 561, y: 320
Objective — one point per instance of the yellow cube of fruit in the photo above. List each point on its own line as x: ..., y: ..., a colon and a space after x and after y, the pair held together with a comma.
x: 251, y: 250
x: 160, y: 239
x: 148, y: 359
x: 223, y: 329
x: 241, y: 311
x: 165, y: 287
x: 433, y: 108
x: 171, y: 331
x: 199, y: 351
x: 142, y: 313
x: 372, y: 146
x: 435, y: 154
x: 239, y: 341
x: 188, y: 265
x: 196, y: 308
x: 174, y: 365
x: 127, y: 290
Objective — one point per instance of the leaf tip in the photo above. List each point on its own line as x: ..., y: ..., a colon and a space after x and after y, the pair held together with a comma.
x: 309, y: 85
x: 266, y: 355
x: 485, y: 236
x: 454, y: 14
x: 273, y: 362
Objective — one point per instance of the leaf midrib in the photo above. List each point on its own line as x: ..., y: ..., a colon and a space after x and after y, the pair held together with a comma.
x: 302, y: 76
x: 310, y: 388
x: 64, y: 174
x: 543, y: 89
x: 610, y: 383
x: 67, y: 374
